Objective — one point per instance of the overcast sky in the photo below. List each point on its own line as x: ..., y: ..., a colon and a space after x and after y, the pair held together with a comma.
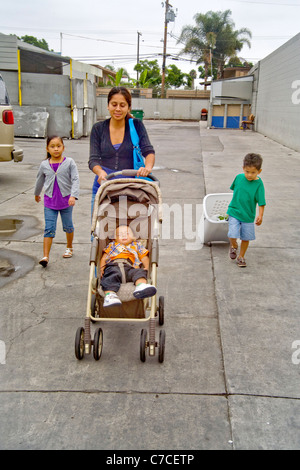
x: 105, y: 31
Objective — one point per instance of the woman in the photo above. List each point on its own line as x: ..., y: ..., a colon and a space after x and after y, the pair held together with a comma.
x: 111, y: 148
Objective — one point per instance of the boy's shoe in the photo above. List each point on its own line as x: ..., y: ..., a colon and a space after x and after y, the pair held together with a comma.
x: 111, y: 300
x: 241, y: 262
x: 143, y: 290
x: 232, y: 252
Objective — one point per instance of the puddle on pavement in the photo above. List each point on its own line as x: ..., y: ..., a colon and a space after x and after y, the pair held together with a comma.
x: 19, y: 227
x: 14, y: 264
x: 8, y: 226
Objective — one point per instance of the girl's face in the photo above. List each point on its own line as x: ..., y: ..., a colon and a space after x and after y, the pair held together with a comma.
x: 118, y: 107
x: 55, y: 148
x: 251, y: 172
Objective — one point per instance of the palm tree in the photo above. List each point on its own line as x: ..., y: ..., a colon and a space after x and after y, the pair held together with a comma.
x: 229, y: 43
x: 213, y: 40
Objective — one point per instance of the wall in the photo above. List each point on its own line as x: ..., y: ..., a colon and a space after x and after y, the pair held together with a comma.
x: 46, y: 105
x: 188, y: 110
x: 8, y: 52
x: 237, y: 88
x: 229, y: 102
x: 277, y: 100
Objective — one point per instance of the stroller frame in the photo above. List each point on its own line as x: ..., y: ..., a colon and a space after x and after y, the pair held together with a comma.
x: 149, y: 308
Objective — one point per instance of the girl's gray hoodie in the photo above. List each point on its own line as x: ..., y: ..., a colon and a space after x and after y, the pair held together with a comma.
x: 67, y: 178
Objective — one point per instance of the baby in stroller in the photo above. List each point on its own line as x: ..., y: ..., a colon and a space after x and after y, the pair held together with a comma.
x: 133, y: 256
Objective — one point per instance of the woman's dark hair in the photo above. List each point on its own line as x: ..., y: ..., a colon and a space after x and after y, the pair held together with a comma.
x: 253, y: 159
x: 51, y: 137
x: 123, y: 91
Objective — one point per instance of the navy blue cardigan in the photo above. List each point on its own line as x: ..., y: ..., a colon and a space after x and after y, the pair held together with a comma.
x: 103, y: 153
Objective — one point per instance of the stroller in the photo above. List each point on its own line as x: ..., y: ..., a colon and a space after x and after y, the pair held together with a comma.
x: 136, y: 202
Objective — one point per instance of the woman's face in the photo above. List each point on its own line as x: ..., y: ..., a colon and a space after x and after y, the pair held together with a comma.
x: 118, y: 107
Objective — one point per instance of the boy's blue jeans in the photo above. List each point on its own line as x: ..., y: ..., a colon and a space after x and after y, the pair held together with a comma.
x: 242, y: 230
x: 51, y: 221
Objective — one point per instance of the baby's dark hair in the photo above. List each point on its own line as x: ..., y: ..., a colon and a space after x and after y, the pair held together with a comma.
x: 253, y: 159
x: 51, y: 137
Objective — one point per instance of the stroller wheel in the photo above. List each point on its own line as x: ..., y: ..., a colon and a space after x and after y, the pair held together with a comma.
x: 79, y: 343
x: 98, y: 344
x: 143, y: 345
x: 161, y: 310
x: 161, y: 348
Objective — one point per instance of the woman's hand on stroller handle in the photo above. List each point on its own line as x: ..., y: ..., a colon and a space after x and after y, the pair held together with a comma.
x: 102, y: 176
x: 129, y: 173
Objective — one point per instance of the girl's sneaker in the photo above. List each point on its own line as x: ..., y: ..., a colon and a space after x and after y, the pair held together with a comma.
x: 142, y: 291
x: 111, y: 300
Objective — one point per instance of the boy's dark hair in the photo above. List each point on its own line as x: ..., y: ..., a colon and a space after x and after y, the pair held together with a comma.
x: 253, y: 159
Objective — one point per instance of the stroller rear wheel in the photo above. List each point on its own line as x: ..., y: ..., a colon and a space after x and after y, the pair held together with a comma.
x: 143, y: 345
x: 79, y: 343
x: 98, y: 344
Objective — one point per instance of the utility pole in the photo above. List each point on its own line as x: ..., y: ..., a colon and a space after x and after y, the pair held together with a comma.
x: 169, y: 17
x: 164, y: 51
x: 138, y: 58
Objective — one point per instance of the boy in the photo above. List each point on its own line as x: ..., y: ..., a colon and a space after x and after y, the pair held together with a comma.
x: 134, y: 254
x: 248, y: 190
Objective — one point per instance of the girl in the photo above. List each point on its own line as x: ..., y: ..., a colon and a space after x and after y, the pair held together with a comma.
x: 59, y: 177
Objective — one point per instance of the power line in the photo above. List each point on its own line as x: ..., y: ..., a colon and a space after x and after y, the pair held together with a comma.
x: 269, y: 3
x: 98, y: 39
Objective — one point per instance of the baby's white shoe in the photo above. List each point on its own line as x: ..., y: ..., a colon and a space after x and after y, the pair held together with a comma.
x: 111, y: 300
x: 143, y: 290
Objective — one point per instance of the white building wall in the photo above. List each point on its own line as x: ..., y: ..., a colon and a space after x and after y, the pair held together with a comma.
x: 182, y: 109
x: 277, y: 107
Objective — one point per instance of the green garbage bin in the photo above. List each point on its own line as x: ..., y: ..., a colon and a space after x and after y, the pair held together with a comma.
x: 137, y: 113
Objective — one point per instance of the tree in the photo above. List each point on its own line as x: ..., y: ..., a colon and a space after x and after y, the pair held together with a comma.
x: 153, y: 72
x: 117, y: 81
x: 174, y: 77
x: 190, y: 78
x: 150, y: 76
x: 213, y: 40
x: 42, y: 43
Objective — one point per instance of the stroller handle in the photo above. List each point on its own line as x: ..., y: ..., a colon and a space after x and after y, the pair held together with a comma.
x: 130, y: 173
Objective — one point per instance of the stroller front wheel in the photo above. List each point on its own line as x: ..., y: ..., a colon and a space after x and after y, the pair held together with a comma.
x: 98, y: 344
x: 143, y: 345
x: 161, y: 310
x: 161, y: 348
x: 79, y: 343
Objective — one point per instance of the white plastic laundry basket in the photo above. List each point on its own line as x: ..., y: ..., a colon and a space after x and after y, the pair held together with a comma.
x: 210, y: 228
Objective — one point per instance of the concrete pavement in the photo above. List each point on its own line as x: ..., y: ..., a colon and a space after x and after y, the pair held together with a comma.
x: 231, y: 376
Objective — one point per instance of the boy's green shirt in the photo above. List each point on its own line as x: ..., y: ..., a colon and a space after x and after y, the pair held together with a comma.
x: 246, y: 194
